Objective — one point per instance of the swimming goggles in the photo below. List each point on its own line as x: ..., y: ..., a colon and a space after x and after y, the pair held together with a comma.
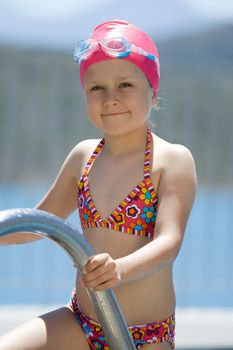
x: 117, y: 47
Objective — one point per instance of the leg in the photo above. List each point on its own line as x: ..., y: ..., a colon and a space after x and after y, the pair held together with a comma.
x: 58, y: 330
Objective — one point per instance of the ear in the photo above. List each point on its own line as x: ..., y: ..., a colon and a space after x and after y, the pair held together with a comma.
x: 154, y: 100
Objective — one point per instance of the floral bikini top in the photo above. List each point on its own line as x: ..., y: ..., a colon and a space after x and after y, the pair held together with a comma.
x: 135, y: 215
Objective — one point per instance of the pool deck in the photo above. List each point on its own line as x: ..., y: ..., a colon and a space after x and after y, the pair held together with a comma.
x: 202, y: 328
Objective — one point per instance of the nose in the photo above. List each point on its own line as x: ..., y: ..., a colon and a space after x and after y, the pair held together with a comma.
x: 110, y: 98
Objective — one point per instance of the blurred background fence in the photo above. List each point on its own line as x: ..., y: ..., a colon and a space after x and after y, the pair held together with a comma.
x: 42, y: 116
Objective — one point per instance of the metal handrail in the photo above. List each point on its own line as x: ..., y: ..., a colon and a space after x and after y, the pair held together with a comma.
x: 48, y: 225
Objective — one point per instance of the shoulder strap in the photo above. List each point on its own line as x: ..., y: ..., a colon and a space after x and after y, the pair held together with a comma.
x: 93, y: 157
x: 147, y: 155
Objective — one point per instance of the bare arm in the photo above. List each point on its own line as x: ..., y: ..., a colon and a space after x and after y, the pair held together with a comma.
x: 59, y: 200
x: 176, y: 195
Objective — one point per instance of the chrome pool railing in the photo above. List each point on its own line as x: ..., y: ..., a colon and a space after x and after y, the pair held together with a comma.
x: 50, y: 226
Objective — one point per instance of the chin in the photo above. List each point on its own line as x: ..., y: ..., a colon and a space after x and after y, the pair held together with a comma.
x: 121, y: 130
x: 115, y: 132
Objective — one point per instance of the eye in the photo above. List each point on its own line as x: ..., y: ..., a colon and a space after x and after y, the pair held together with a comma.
x: 96, y: 88
x: 125, y: 85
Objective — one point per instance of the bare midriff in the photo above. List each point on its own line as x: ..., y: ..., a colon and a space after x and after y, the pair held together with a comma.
x: 143, y: 300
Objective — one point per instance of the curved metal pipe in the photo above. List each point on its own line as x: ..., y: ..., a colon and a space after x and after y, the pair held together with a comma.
x: 48, y: 225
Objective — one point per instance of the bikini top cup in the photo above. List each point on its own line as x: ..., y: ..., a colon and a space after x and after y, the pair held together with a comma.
x: 136, y: 214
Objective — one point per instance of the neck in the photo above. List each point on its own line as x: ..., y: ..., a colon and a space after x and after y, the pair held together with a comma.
x: 127, y: 143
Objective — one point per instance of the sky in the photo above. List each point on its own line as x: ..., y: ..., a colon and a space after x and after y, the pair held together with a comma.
x: 219, y: 10
x: 60, y: 9
x: 60, y: 23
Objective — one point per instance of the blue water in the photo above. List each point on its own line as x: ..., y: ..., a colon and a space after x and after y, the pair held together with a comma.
x: 42, y: 272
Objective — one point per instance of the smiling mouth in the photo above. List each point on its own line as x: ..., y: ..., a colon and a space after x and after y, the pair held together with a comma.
x: 113, y: 114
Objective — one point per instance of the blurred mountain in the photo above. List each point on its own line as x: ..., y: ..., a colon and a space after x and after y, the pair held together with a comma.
x: 212, y: 47
x: 199, y: 49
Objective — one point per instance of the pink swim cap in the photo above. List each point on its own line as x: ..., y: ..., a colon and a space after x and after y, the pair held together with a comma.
x: 119, y: 28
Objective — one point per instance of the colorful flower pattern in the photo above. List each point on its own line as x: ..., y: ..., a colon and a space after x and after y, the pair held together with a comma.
x: 149, y: 214
x: 138, y: 225
x: 132, y: 211
x: 136, y: 214
x: 145, y: 196
x: 118, y: 218
x: 155, y: 332
x: 86, y: 213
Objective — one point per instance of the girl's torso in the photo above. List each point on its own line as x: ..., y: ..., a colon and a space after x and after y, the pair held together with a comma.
x: 144, y: 300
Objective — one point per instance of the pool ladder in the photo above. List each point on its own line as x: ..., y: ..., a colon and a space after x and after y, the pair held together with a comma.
x: 48, y: 225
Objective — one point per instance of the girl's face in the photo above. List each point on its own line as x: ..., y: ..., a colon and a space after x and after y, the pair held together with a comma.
x: 118, y: 96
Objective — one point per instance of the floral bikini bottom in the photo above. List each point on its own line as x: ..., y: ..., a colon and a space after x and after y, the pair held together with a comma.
x: 155, y: 332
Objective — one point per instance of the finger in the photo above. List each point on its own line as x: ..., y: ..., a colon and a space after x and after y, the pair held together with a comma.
x: 93, y: 263
x: 107, y: 268
x: 93, y: 279
x: 90, y: 258
x: 106, y: 285
x: 95, y: 282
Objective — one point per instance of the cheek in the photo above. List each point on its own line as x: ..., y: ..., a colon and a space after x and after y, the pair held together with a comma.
x: 138, y: 101
x: 91, y: 102
x: 130, y: 99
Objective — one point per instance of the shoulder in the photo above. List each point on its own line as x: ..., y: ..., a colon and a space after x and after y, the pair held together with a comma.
x: 83, y: 149
x: 79, y: 155
x: 175, y: 165
x: 172, y: 156
x: 85, y: 146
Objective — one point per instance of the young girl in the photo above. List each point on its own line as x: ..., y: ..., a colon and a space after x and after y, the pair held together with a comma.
x: 134, y: 193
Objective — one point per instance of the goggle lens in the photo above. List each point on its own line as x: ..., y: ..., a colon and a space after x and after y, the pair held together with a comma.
x: 84, y: 49
x: 115, y: 47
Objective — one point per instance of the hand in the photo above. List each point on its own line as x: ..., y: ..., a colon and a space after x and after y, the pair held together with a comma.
x: 101, y: 272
